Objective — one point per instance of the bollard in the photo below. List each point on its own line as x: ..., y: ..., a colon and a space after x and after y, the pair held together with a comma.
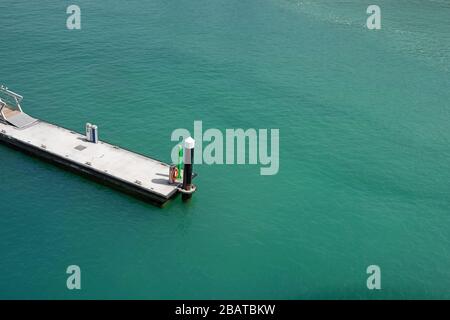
x: 94, y: 134
x: 88, y: 132
x: 189, y: 145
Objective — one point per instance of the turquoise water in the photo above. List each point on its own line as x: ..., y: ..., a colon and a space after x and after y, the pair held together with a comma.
x: 364, y: 149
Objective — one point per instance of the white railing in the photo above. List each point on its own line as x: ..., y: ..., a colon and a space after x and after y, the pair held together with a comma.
x: 16, y: 97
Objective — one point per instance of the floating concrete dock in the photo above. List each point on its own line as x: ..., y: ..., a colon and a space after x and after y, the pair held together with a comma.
x: 130, y: 172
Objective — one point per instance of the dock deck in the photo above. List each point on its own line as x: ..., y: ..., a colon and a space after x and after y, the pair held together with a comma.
x: 129, y: 171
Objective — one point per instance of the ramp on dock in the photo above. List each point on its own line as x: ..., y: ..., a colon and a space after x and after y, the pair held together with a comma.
x: 136, y: 173
x: 11, y: 111
x: 20, y: 120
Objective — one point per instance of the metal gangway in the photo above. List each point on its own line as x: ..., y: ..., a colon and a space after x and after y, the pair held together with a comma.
x: 10, y: 110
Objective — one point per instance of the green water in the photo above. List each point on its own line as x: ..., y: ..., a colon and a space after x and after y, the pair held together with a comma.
x: 364, y: 149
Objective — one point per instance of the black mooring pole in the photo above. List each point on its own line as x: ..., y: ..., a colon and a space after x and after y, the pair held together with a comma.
x: 189, y: 145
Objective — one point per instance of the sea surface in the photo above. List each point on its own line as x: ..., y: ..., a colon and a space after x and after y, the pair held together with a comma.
x: 364, y: 174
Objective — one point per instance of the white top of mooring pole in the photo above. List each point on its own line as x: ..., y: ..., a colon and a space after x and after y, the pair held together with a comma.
x: 189, y: 143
